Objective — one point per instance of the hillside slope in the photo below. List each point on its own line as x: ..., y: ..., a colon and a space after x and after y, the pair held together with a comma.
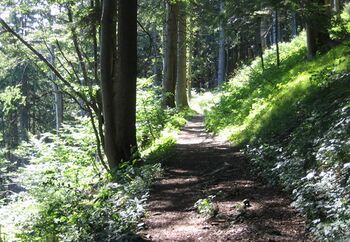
x: 294, y: 122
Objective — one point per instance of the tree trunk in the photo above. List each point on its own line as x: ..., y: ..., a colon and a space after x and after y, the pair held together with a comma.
x: 190, y: 63
x: 24, y: 112
x: 164, y: 44
x: 157, y: 61
x: 189, y: 80
x: 58, y: 107
x: 13, y: 130
x: 58, y: 98
x: 169, y: 81
x: 108, y: 59
x: 336, y: 6
x: 125, y: 98
x: 259, y: 43
x: 318, y: 38
x: 276, y: 29
x: 221, y: 58
x: 95, y: 36
x: 181, y: 94
x: 119, y: 87
x: 310, y: 41
x: 264, y: 29
x: 294, y: 24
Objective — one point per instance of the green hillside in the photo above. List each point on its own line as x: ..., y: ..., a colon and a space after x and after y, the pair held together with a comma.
x: 294, y: 123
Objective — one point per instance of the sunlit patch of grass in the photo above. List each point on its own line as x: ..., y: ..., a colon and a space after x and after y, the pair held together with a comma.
x: 294, y: 121
x: 202, y: 102
x: 262, y: 103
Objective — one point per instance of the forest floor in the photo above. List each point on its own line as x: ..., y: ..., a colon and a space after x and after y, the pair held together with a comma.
x: 204, y: 165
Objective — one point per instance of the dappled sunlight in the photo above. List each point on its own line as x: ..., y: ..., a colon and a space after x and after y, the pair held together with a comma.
x: 210, y: 169
x: 174, y: 120
x: 292, y: 120
x: 202, y: 102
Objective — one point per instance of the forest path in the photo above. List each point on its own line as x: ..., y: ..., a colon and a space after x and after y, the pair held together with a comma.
x: 203, y: 165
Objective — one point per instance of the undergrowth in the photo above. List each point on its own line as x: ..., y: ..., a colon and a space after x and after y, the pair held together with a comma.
x: 294, y: 122
x: 69, y: 196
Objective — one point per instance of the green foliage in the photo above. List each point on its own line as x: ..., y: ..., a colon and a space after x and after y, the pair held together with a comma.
x: 313, y: 162
x: 4, y: 168
x: 251, y: 88
x: 203, y: 102
x: 295, y: 120
x: 260, y: 102
x: 11, y: 98
x: 345, y: 15
x: 206, y: 206
x: 152, y: 118
x: 71, y: 197
x: 341, y: 24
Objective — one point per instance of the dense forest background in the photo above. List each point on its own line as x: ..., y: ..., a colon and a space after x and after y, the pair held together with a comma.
x: 94, y: 91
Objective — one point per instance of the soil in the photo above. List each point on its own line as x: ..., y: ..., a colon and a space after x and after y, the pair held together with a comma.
x: 204, y: 165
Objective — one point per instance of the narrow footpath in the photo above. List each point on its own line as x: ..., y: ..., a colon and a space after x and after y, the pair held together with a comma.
x: 203, y: 165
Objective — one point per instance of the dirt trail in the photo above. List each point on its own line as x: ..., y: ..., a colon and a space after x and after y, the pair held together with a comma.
x: 204, y: 165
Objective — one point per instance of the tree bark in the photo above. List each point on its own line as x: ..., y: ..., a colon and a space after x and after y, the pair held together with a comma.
x: 294, y: 24
x: 157, y: 60
x: 264, y: 29
x: 258, y: 42
x: 190, y: 61
x: 125, y: 98
x: 169, y: 81
x: 58, y: 98
x: 310, y: 41
x: 181, y: 94
x: 118, y: 80
x: 276, y: 33
x: 95, y: 36
x: 221, y: 58
x: 336, y: 6
x: 164, y: 44
x: 58, y: 107
x: 108, y: 78
x: 317, y: 35
x: 24, y: 112
x: 274, y: 28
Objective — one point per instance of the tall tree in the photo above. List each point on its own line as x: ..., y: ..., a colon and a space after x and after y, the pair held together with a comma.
x: 190, y: 60
x: 277, y: 36
x: 336, y: 5
x: 181, y: 94
x: 318, y: 17
x: 24, y: 112
x: 126, y: 85
x: 221, y: 58
x: 58, y: 98
x: 170, y: 60
x: 118, y: 79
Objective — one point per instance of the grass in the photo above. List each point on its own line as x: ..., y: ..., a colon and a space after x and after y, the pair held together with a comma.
x: 259, y: 103
x: 293, y: 123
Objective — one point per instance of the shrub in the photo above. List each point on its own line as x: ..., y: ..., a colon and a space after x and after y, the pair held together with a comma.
x: 70, y: 197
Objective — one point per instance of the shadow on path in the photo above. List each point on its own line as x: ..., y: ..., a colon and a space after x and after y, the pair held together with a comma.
x: 203, y: 165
